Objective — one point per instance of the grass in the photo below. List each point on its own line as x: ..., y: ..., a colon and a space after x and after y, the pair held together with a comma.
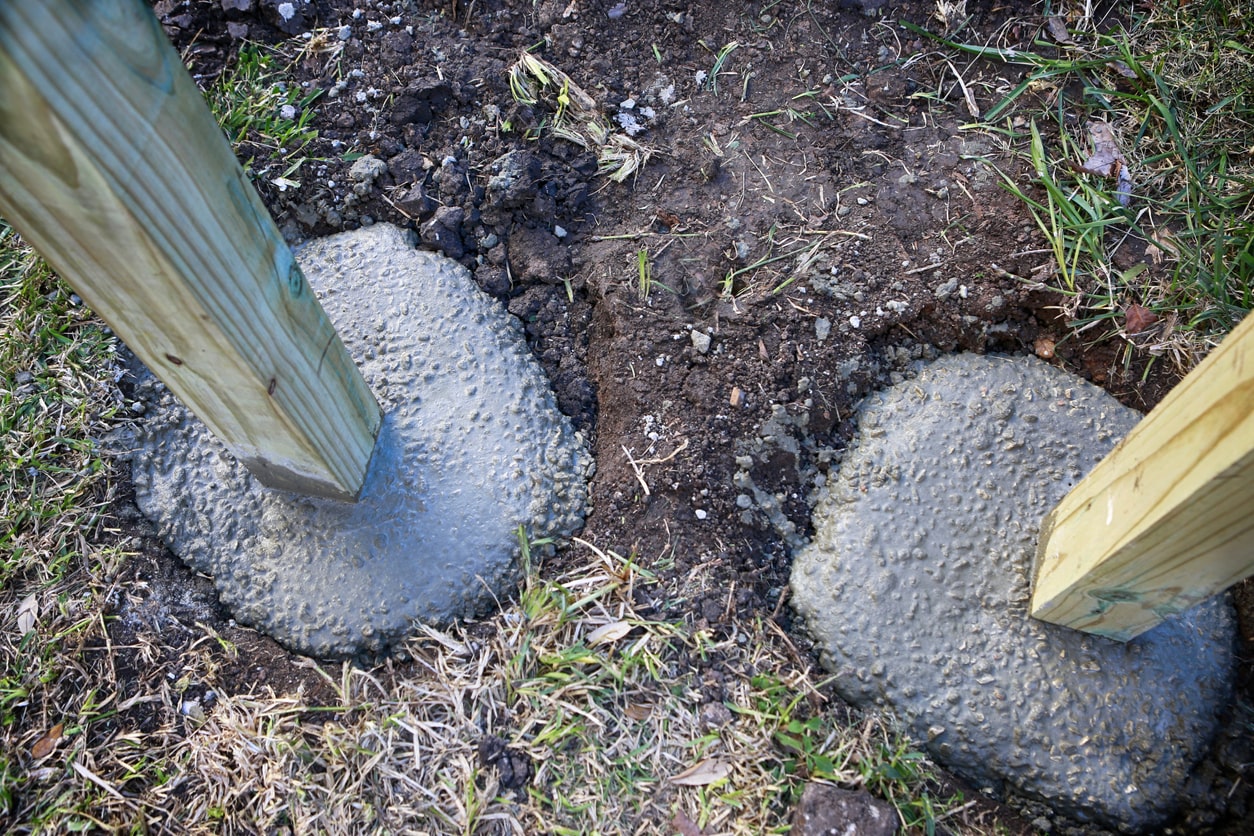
x: 261, y: 113
x: 1174, y: 87
x: 720, y: 62
x: 603, y: 700
x: 56, y: 376
x: 747, y: 280
x: 644, y: 274
x: 57, y: 393
x: 600, y: 694
x: 573, y: 115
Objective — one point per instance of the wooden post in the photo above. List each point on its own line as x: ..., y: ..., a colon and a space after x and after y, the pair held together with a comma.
x: 1167, y: 519
x: 112, y: 166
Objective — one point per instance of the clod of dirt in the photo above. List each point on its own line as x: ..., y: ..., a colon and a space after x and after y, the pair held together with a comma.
x: 931, y: 528
x: 536, y: 255
x: 825, y: 810
x: 514, y: 768
x: 514, y: 177
x: 443, y: 231
x: 472, y: 447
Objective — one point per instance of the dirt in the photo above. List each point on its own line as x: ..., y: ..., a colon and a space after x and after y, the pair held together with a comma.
x: 719, y: 399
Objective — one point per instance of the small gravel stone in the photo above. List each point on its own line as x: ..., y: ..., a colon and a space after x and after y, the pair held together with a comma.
x: 367, y: 169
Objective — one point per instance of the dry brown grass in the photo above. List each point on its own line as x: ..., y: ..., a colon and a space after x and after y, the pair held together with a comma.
x: 631, y: 724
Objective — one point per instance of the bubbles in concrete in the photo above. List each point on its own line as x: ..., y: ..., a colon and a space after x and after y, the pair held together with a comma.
x: 916, y: 588
x: 472, y: 447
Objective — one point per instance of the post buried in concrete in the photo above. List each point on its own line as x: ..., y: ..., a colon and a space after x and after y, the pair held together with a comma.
x: 1164, y: 521
x: 916, y: 583
x: 472, y: 448
x: 116, y: 171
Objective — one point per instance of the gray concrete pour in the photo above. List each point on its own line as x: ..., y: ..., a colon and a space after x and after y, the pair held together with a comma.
x: 472, y: 446
x: 916, y: 587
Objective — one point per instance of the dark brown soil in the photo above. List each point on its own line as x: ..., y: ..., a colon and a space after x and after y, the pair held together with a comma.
x: 914, y: 249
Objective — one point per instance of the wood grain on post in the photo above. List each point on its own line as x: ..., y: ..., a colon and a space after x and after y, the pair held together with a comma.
x: 1167, y: 519
x: 112, y: 166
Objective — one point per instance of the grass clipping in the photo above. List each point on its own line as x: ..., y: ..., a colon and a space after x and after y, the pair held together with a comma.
x: 575, y: 117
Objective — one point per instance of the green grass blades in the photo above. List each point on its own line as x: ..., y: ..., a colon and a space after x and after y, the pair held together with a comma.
x: 256, y: 107
x: 1155, y: 212
x: 56, y: 392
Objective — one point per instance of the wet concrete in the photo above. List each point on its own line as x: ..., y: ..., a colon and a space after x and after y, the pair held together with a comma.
x: 472, y: 447
x: 916, y: 587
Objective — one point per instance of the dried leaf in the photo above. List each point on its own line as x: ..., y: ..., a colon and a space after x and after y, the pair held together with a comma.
x: 27, y: 615
x: 43, y: 746
x: 1160, y: 245
x: 684, y: 825
x: 1123, y: 191
x: 1105, y: 151
x: 611, y: 632
x: 1107, y: 160
x: 668, y: 219
x: 1138, y: 318
x: 972, y: 107
x: 638, y: 711
x: 704, y: 772
x: 1058, y: 28
x: 1122, y: 69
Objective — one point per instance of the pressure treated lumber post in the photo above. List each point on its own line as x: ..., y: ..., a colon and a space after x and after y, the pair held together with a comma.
x: 1167, y: 519
x: 112, y: 166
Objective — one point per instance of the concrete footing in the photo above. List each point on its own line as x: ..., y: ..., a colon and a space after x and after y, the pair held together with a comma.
x: 917, y: 583
x: 472, y: 447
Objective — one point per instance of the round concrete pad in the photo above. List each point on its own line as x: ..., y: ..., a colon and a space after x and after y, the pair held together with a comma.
x: 472, y: 447
x: 917, y: 583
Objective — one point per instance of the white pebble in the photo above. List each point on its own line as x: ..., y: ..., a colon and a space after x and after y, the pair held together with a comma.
x: 700, y: 514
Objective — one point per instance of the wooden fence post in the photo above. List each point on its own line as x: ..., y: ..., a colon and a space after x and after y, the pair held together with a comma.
x: 112, y: 166
x: 1167, y: 519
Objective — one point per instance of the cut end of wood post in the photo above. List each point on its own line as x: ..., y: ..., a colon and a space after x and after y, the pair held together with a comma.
x: 280, y: 478
x: 1162, y: 522
x: 1110, y: 613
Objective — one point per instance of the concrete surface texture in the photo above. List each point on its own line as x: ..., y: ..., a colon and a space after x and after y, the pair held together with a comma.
x: 916, y: 587
x: 472, y: 447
